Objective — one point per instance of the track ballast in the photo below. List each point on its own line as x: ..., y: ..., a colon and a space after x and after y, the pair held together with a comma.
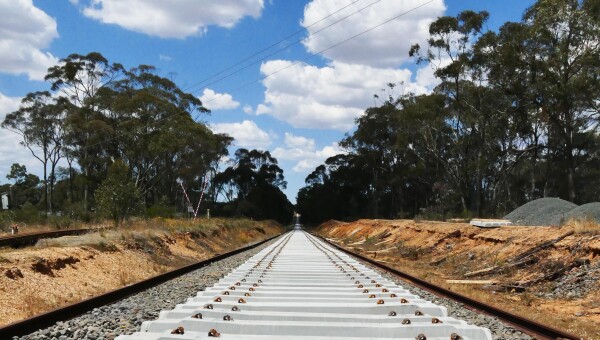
x: 300, y: 287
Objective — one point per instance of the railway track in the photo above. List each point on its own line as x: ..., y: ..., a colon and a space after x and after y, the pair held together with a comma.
x: 299, y: 286
x: 302, y: 287
x: 24, y: 239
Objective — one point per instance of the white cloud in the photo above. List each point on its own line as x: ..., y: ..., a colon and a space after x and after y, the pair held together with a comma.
x: 218, y: 101
x: 25, y: 31
x: 304, y: 152
x: 247, y: 134
x: 10, y: 149
x: 172, y: 19
x: 163, y: 57
x: 262, y: 109
x: 331, y: 97
x: 248, y: 109
x: 385, y: 46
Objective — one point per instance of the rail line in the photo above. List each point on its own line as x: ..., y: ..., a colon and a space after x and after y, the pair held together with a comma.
x: 527, y: 326
x: 302, y: 288
x: 19, y: 240
x: 47, y: 319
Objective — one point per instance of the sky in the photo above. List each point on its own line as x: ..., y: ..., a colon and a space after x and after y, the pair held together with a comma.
x: 287, y: 76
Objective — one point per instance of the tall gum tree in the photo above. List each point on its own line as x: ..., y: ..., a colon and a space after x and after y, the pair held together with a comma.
x: 78, y: 78
x: 566, y: 49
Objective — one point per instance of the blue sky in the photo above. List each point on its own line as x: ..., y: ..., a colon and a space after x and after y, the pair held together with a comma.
x: 297, y: 103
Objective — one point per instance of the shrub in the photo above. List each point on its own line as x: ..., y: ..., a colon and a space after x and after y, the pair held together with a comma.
x: 117, y: 196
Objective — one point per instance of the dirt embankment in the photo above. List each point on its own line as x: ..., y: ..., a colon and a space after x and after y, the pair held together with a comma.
x: 63, y: 270
x: 550, y: 274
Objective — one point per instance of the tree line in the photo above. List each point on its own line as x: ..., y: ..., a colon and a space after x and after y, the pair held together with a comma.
x: 514, y: 118
x: 133, y: 143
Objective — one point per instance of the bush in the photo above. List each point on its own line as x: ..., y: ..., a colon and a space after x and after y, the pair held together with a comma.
x: 117, y: 196
x: 29, y: 214
x: 7, y: 218
x: 60, y: 222
x: 161, y: 210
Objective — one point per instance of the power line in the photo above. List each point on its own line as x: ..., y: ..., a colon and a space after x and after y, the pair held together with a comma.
x: 284, y: 47
x: 269, y: 47
x: 330, y: 47
x: 292, y: 64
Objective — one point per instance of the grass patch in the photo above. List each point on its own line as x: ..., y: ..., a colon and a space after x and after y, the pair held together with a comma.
x: 584, y: 226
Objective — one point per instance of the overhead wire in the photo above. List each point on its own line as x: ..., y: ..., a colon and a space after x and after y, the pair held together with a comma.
x: 294, y: 63
x: 329, y: 48
x: 286, y: 46
x: 269, y: 47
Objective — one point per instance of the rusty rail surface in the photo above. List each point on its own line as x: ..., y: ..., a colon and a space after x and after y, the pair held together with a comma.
x: 30, y: 238
x: 70, y: 311
x: 527, y: 326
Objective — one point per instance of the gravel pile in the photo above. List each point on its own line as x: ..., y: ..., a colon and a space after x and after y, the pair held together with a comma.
x: 126, y: 316
x: 586, y: 211
x: 541, y: 212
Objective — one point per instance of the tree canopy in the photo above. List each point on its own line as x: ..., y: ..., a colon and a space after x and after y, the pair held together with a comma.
x: 515, y: 117
x: 132, y: 138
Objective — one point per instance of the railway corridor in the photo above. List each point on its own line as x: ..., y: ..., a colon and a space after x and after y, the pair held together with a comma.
x: 301, y: 288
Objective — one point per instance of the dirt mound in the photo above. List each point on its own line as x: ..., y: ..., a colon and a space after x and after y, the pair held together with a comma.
x: 14, y: 273
x: 46, y: 267
x: 587, y: 211
x: 541, y: 212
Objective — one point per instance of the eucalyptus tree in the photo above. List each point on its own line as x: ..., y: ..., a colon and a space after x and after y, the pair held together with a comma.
x: 153, y: 132
x: 462, y: 83
x: 566, y: 49
x: 252, y: 186
x: 78, y: 78
x: 39, y: 122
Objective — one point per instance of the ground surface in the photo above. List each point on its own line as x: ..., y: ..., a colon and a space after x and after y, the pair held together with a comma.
x: 549, y: 274
x: 59, y: 271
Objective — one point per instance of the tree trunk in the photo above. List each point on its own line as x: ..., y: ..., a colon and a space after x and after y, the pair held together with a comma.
x: 46, y: 202
x: 70, y: 180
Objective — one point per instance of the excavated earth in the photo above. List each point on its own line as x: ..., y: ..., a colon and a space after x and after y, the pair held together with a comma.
x: 60, y: 271
x: 548, y: 274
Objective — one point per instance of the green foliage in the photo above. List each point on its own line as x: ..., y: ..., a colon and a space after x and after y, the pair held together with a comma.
x: 97, y: 112
x: 60, y: 222
x: 7, y: 218
x: 252, y: 187
x: 515, y: 117
x: 29, y: 214
x: 17, y: 173
x: 161, y: 210
x: 117, y: 196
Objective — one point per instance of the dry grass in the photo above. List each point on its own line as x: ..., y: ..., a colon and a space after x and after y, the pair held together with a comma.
x: 583, y: 226
x: 33, y: 304
x: 112, y: 258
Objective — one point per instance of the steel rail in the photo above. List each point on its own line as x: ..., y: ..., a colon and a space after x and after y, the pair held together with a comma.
x: 70, y: 311
x: 527, y: 326
x: 31, y: 238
